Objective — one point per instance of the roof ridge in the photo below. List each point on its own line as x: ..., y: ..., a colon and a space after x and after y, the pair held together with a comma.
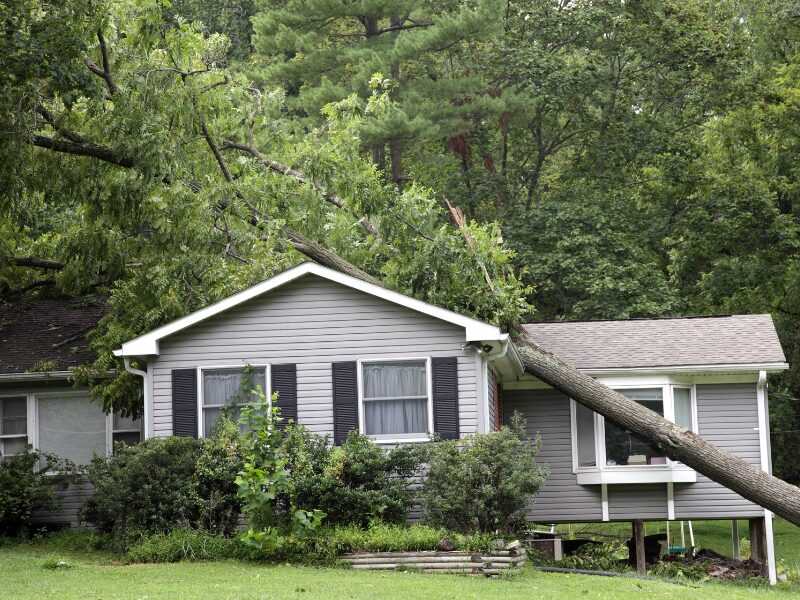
x: 662, y: 318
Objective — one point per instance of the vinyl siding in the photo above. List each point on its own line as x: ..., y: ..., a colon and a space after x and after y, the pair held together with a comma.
x: 312, y: 322
x: 727, y: 416
x: 637, y: 501
x: 561, y: 499
x: 71, y: 500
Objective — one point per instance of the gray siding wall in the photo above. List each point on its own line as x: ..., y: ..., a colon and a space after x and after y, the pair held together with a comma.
x: 312, y: 322
x: 727, y: 417
x: 546, y: 412
x: 71, y: 500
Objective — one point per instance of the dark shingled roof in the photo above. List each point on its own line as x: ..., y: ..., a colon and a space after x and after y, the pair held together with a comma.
x: 33, y: 330
x: 667, y: 342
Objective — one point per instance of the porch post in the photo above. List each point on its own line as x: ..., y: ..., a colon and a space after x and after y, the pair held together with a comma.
x: 638, y: 541
x: 735, y: 538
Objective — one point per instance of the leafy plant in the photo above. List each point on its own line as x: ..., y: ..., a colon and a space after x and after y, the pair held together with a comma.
x: 483, y: 482
x: 355, y: 483
x: 264, y: 478
x: 27, y: 483
x: 185, y: 544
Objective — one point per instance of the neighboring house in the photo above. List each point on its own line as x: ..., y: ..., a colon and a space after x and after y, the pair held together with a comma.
x: 346, y: 355
x: 40, y: 340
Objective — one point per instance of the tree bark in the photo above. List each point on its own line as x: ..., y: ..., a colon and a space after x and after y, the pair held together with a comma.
x: 678, y: 443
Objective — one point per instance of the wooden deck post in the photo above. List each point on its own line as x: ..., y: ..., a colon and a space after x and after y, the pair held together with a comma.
x: 735, y: 539
x: 638, y: 541
x: 758, y: 542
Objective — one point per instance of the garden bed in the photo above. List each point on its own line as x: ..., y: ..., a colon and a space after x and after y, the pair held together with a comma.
x: 474, y: 563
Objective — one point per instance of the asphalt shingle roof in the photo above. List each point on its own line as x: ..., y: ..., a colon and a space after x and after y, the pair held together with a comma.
x: 46, y: 329
x: 666, y: 342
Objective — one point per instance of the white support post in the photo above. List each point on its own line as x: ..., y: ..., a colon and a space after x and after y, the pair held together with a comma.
x: 764, y: 447
x: 735, y: 538
x: 604, y: 502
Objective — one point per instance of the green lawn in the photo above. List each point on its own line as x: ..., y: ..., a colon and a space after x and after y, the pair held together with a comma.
x: 24, y: 573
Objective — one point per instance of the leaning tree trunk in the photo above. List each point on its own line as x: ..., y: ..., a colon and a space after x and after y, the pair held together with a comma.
x: 678, y: 443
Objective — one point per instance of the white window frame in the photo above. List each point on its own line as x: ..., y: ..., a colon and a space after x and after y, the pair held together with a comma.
x: 671, y: 472
x: 201, y: 416
x: 29, y: 422
x: 395, y: 438
x: 110, y: 431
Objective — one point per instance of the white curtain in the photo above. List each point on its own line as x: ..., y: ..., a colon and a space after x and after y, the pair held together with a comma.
x: 72, y: 428
x: 584, y: 421
x: 395, y: 398
x: 683, y: 407
x: 219, y: 385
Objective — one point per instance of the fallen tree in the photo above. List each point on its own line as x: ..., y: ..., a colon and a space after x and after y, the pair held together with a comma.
x: 678, y: 443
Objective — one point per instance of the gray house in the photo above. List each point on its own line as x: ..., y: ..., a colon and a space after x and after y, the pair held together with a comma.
x: 346, y: 354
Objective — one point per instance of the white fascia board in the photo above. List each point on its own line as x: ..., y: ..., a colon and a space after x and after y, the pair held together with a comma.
x: 147, y: 344
x: 694, y: 369
x: 36, y: 376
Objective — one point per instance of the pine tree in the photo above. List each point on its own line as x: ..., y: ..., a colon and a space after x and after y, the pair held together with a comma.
x: 323, y: 51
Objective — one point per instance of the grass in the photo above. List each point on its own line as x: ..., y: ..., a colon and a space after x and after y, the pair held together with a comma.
x: 49, y: 569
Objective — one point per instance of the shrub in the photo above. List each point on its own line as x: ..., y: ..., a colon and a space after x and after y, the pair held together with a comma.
x: 483, y: 482
x: 355, y: 483
x: 145, y: 488
x: 218, y: 462
x: 24, y: 488
x: 185, y: 544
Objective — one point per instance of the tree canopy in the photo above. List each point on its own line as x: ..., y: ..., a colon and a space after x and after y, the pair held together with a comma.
x: 508, y: 160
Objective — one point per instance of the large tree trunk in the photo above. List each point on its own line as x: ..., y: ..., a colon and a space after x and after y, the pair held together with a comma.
x: 679, y: 444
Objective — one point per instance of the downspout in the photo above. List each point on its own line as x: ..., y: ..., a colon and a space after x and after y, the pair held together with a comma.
x: 145, y: 393
x: 764, y: 447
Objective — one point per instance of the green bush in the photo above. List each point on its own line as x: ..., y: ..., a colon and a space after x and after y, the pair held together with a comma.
x: 483, y: 482
x: 355, y: 483
x: 379, y: 537
x: 24, y: 488
x: 145, y: 488
x: 185, y: 545
x: 218, y: 462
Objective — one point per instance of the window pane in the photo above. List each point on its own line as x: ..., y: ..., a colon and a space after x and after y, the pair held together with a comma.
x: 129, y: 438
x: 626, y: 448
x: 683, y: 407
x: 124, y: 423
x: 72, y: 428
x: 221, y: 386
x: 12, y: 446
x: 14, y: 416
x: 382, y: 417
x: 395, y: 379
x: 584, y: 422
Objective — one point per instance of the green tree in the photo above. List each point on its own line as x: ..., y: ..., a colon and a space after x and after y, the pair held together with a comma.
x: 323, y: 52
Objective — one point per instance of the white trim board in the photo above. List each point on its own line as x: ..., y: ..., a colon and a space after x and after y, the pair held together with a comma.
x: 148, y: 344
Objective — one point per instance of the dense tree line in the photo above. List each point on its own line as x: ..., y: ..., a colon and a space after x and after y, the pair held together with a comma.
x: 512, y: 160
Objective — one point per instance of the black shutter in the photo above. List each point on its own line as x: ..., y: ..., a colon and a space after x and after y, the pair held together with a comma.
x: 184, y: 402
x: 445, y: 397
x: 345, y: 399
x: 284, y: 381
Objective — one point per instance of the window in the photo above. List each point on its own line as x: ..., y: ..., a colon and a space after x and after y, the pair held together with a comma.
x: 626, y: 448
x: 125, y: 430
x: 71, y: 427
x: 395, y: 399
x: 223, y: 391
x: 13, y: 425
x: 600, y: 445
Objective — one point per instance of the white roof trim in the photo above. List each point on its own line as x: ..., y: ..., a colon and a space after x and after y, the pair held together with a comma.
x: 147, y: 344
x: 721, y: 368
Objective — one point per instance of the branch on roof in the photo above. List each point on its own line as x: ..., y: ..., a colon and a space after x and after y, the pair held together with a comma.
x: 36, y: 263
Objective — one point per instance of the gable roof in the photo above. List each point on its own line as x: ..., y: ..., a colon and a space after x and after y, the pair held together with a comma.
x: 734, y: 340
x: 34, y: 330
x: 147, y: 344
